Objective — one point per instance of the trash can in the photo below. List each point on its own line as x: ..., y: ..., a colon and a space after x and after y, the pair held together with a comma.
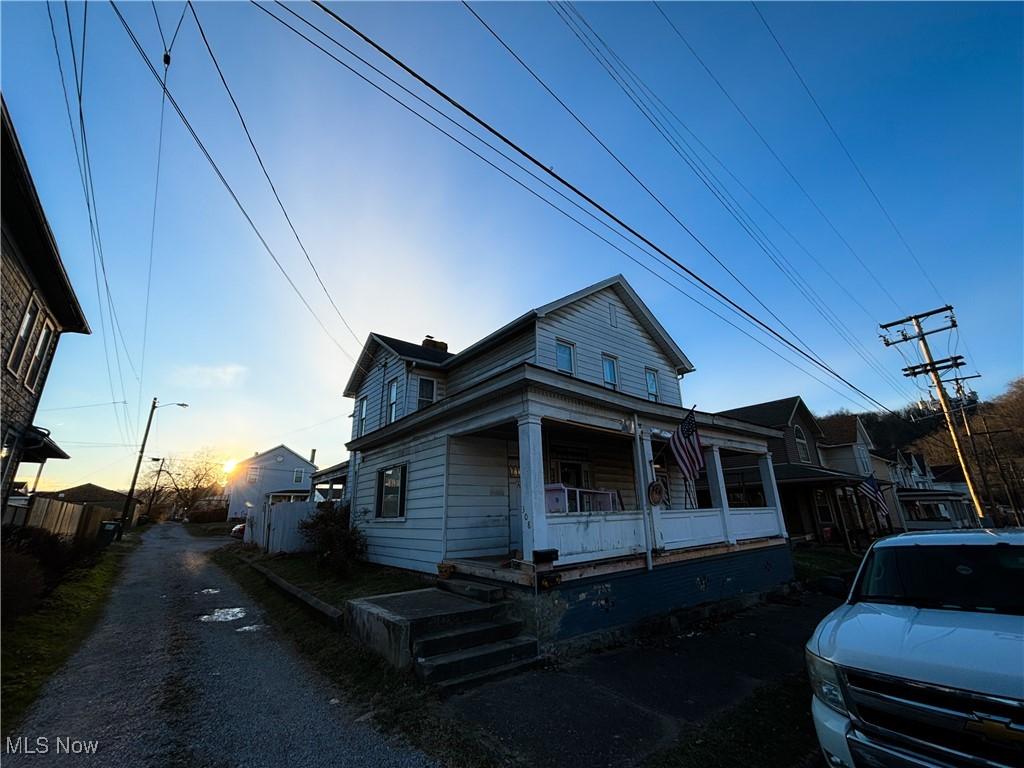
x: 107, y: 532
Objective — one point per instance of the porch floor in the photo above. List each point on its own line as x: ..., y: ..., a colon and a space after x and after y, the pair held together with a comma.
x: 508, y: 571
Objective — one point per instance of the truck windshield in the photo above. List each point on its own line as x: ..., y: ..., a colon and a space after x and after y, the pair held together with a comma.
x: 987, y: 578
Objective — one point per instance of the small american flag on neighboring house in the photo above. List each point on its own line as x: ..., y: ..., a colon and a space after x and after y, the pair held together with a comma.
x: 871, y: 489
x: 686, y: 447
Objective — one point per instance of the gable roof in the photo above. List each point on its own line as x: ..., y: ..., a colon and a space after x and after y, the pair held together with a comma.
x: 839, y: 428
x: 774, y: 413
x: 258, y: 454
x: 445, y: 360
x: 87, y: 493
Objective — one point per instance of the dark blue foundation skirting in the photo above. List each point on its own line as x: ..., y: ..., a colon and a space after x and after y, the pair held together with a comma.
x: 618, y: 600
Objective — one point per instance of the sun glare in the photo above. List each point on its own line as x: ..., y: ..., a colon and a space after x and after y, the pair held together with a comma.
x: 229, y: 466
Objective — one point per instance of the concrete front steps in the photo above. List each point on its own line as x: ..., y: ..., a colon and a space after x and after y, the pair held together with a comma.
x: 472, y: 646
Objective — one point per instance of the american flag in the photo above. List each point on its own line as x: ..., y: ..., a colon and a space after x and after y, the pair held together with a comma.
x: 871, y: 489
x: 686, y: 447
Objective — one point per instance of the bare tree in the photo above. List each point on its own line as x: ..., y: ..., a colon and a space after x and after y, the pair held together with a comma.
x: 197, y: 477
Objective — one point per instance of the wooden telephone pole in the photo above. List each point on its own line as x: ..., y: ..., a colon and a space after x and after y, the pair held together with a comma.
x: 933, y: 368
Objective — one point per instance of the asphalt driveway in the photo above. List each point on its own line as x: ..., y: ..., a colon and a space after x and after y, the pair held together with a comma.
x: 182, y: 670
x: 616, y: 707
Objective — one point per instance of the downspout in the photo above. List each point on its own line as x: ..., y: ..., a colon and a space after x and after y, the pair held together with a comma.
x: 641, y: 479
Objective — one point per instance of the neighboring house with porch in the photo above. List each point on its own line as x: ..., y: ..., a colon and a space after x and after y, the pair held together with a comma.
x: 279, y: 470
x: 925, y: 503
x: 38, y: 306
x: 846, y: 446
x: 811, y: 491
x: 527, y: 458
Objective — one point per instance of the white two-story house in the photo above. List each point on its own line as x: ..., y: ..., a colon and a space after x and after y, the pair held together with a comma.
x: 277, y: 474
x: 527, y: 458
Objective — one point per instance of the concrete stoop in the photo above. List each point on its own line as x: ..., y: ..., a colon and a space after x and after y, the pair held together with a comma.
x: 451, y: 639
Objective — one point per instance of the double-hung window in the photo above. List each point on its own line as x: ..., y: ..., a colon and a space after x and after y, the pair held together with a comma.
x: 392, y: 412
x: 610, y: 366
x: 39, y: 355
x: 803, y: 450
x: 297, y: 475
x: 651, y: 377
x: 565, y: 357
x: 252, y: 475
x: 361, y: 417
x: 28, y: 324
x: 427, y: 391
x: 391, y: 492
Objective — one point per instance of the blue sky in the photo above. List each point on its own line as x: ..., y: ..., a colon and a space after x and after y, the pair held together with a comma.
x: 413, y: 235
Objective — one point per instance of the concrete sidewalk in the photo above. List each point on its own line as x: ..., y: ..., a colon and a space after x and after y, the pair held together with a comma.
x: 617, y: 707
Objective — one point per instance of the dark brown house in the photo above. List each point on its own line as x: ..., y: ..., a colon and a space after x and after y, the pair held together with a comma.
x: 38, y: 305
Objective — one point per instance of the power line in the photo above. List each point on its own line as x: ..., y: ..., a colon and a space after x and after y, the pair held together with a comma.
x: 711, y: 181
x: 775, y: 154
x: 532, y: 191
x: 266, y: 173
x: 226, y: 184
x: 89, y: 405
x: 590, y: 200
x: 846, y: 151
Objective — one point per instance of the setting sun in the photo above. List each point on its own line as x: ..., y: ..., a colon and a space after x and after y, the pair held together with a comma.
x: 229, y: 465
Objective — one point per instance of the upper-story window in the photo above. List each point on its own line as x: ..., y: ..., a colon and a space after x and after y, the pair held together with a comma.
x: 39, y: 354
x: 297, y: 475
x: 803, y: 450
x: 651, y: 376
x: 611, y: 371
x: 613, y: 316
x: 565, y: 357
x: 427, y: 391
x: 361, y: 417
x: 252, y: 475
x: 392, y: 412
x: 28, y: 323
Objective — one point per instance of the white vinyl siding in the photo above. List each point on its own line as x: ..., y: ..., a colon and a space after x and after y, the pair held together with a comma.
x: 478, y: 513
x: 384, y: 367
x: 586, y: 323
x: 511, y: 352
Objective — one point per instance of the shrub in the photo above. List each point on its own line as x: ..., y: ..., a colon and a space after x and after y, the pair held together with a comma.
x: 21, y: 584
x: 208, y: 515
x: 338, y: 545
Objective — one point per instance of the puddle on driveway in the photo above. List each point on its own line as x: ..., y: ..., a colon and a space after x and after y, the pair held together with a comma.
x: 210, y: 591
x: 224, y: 614
x: 250, y: 628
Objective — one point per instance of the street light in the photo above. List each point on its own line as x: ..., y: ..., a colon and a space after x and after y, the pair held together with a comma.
x: 125, y: 513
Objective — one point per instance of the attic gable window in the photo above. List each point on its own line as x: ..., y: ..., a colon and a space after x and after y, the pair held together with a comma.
x: 613, y: 316
x: 392, y: 412
x: 803, y: 451
x: 565, y: 357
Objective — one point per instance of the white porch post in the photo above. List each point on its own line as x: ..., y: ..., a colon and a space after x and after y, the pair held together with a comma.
x: 716, y: 485
x: 642, y: 458
x: 771, y: 490
x: 531, y: 479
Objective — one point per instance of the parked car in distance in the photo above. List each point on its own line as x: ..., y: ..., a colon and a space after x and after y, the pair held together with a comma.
x: 238, y: 532
x: 923, y: 665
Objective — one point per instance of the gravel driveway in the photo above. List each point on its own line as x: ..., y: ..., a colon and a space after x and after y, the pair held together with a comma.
x: 174, y: 674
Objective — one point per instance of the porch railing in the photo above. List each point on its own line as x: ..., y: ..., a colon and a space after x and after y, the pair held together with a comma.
x: 579, y: 537
x: 680, y: 528
x: 753, y: 522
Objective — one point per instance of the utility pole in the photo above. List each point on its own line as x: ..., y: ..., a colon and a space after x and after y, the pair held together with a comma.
x: 126, y: 512
x: 156, y: 485
x: 1010, y: 496
x: 961, y: 394
x: 933, y: 369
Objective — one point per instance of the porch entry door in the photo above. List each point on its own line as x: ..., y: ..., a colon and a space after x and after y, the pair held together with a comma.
x: 515, y: 506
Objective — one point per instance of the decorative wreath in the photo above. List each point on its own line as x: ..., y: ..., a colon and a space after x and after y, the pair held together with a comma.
x: 656, y: 493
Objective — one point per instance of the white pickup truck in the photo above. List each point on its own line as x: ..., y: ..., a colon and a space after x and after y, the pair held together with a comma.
x: 923, y: 665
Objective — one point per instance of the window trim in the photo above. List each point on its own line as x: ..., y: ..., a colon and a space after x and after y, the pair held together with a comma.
x: 32, y: 301
x: 419, y: 392
x: 298, y: 475
x: 402, y: 493
x: 801, y: 440
x: 572, y: 356
x: 655, y: 396
x: 252, y: 474
x: 613, y: 315
x: 361, y: 408
x: 391, y: 404
x: 614, y: 384
x: 48, y: 325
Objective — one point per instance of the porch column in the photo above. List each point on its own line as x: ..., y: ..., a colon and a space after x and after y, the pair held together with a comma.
x: 647, y: 477
x: 531, y: 480
x: 771, y: 490
x: 716, y: 485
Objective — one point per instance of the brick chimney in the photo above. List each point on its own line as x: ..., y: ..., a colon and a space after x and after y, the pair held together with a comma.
x: 431, y: 343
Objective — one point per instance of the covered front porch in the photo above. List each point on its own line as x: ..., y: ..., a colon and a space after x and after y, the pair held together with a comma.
x: 565, y: 491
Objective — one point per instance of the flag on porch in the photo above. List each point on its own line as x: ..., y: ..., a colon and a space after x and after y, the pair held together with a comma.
x: 871, y: 489
x: 686, y: 447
